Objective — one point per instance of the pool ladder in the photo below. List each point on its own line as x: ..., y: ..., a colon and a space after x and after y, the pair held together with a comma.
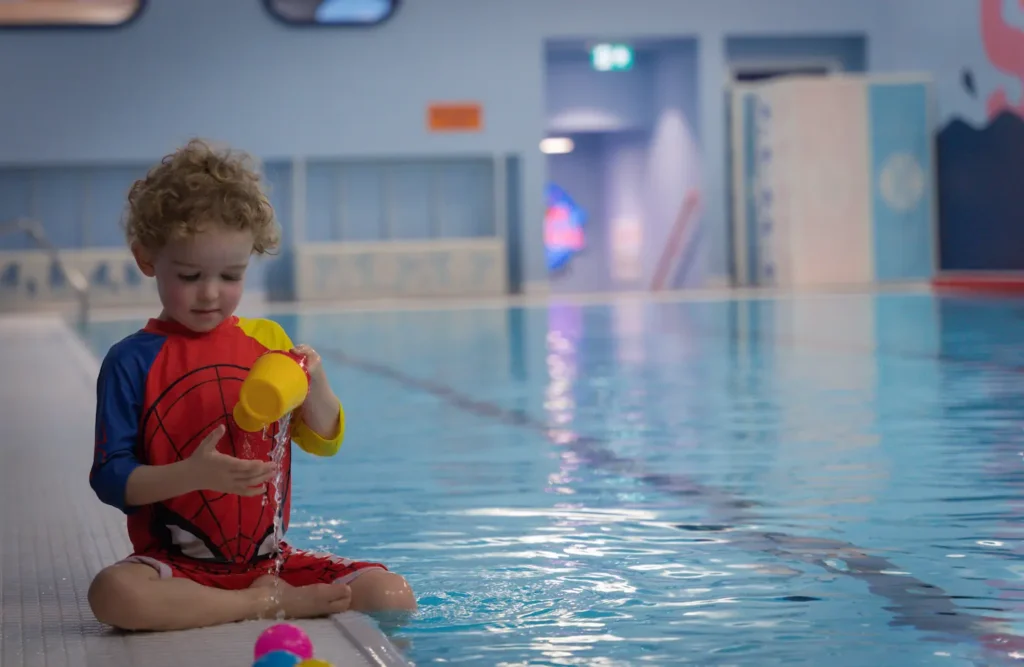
x: 75, y: 278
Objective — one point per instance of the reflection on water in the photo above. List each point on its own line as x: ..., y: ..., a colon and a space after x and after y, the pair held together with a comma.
x: 802, y: 482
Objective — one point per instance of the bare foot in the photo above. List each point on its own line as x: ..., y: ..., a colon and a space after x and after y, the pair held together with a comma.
x: 310, y: 601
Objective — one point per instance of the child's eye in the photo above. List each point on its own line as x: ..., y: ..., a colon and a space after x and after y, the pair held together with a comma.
x: 233, y: 279
x: 190, y: 277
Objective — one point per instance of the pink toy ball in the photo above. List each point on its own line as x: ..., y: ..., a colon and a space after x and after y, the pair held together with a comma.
x: 284, y: 637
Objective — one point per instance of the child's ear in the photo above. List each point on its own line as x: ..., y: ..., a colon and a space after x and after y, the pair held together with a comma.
x: 144, y: 259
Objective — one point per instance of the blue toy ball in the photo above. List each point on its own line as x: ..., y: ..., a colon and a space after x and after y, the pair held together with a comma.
x: 277, y: 659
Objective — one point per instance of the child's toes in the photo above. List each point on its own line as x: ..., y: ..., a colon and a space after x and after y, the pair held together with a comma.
x: 341, y: 605
x: 337, y: 596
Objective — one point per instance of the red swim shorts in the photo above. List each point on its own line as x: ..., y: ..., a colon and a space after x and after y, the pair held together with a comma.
x: 299, y: 568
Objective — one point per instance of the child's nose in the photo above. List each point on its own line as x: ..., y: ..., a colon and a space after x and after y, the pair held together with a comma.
x: 208, y: 291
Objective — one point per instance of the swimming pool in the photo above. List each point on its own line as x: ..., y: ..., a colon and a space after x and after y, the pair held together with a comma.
x: 801, y: 481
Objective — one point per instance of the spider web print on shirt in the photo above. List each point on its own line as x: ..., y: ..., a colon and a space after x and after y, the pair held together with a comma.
x: 203, y: 525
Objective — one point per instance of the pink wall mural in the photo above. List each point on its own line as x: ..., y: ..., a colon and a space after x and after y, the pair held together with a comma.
x: 1004, y: 47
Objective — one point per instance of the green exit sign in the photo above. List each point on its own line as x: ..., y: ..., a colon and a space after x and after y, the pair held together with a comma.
x: 611, y: 57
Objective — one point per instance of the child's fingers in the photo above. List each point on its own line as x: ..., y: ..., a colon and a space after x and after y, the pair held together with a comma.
x: 311, y: 355
x: 254, y: 468
x: 242, y: 467
x: 209, y: 443
x: 255, y: 478
x: 249, y: 491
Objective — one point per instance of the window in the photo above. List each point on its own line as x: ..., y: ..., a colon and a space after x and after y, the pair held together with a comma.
x: 54, y: 13
x: 333, y: 12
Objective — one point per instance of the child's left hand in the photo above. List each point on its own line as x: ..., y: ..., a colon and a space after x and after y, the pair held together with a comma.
x: 314, y: 365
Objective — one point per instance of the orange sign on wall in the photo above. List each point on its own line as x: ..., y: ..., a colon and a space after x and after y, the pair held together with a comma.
x: 455, y: 117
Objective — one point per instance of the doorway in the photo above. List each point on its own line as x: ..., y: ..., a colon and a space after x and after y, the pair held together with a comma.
x: 622, y: 154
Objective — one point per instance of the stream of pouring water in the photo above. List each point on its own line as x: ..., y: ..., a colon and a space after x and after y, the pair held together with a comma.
x: 282, y: 440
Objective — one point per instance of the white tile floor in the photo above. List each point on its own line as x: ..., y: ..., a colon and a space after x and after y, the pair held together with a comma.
x: 55, y: 535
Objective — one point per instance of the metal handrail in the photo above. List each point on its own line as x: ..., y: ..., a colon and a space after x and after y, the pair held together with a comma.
x: 75, y: 278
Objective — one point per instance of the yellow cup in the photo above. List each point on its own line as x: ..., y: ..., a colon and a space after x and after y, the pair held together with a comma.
x: 277, y: 384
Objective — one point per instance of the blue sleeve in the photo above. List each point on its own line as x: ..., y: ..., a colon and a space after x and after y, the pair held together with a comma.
x: 120, y: 390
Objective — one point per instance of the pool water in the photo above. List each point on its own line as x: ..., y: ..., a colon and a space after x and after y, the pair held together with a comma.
x: 816, y: 480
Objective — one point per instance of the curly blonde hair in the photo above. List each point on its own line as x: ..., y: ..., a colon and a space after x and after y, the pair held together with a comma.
x: 197, y: 186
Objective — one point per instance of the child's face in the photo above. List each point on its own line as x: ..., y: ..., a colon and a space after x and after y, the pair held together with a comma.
x: 200, y: 278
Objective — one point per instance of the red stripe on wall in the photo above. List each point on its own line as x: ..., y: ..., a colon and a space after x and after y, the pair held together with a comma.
x: 673, y: 247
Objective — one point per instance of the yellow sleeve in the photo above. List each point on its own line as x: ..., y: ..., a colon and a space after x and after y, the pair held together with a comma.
x: 272, y: 336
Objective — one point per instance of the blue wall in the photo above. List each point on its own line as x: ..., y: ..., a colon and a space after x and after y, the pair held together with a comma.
x: 404, y: 200
x: 125, y: 97
x: 81, y: 205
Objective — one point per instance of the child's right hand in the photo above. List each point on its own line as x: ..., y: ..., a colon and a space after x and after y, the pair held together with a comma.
x: 214, y: 471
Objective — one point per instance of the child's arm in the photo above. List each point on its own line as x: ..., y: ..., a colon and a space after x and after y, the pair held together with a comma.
x: 155, y: 484
x: 205, y: 469
x: 321, y: 411
x: 321, y: 426
x: 119, y: 391
x: 120, y: 479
